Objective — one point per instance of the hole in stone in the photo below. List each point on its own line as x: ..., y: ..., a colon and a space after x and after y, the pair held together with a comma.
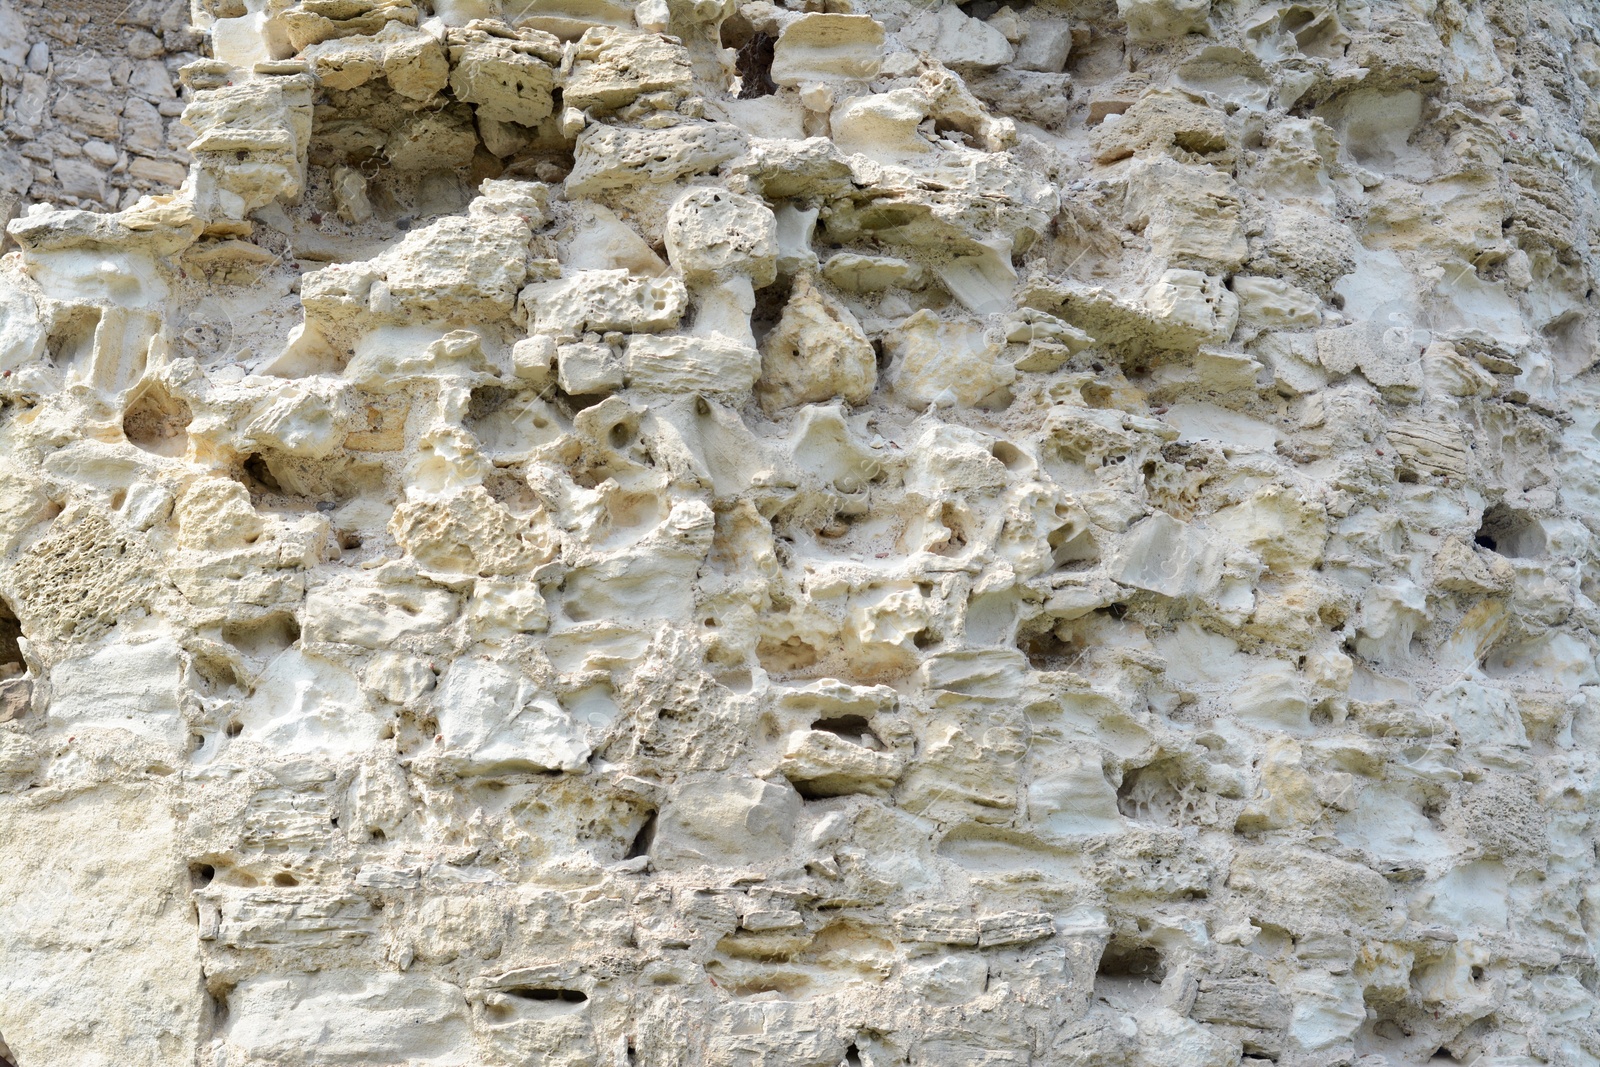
x: 235, y: 728
x: 790, y: 654
x: 955, y: 539
x: 6, y: 1057
x: 258, y: 477
x: 768, y: 312
x: 348, y: 540
x: 643, y: 839
x: 201, y: 875
x: 71, y: 339
x: 852, y: 1057
x: 565, y: 996
x: 755, y: 66
x: 378, y: 837
x: 1150, y: 793
x: 1510, y: 533
x: 156, y: 421
x: 1124, y: 959
x: 265, y: 637
x: 1009, y: 454
x: 1072, y: 544
x: 284, y: 878
x: 1130, y: 973
x: 853, y: 728
x: 217, y: 1000
x: 11, y: 663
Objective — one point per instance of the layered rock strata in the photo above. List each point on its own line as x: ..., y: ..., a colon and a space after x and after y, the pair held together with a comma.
x: 579, y: 532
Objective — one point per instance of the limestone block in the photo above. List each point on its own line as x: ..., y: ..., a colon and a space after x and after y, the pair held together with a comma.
x: 938, y: 361
x: 349, y: 1017
x: 957, y: 40
x: 415, y: 64
x: 506, y: 80
x: 727, y: 821
x: 22, y: 333
x: 469, y: 531
x: 883, y: 126
x: 1044, y: 99
x: 1046, y: 43
x: 1167, y: 1039
x: 1166, y: 556
x: 787, y: 167
x: 1287, y: 531
x: 1189, y: 213
x: 350, y: 194
x: 1326, y: 1015
x: 712, y: 234
x: 457, y: 268
x: 601, y: 301
x: 589, y: 369
x: 374, y: 616
x: 1274, y: 303
x: 1199, y: 304
x: 533, y: 359
x: 612, y: 68
x: 134, y: 686
x: 308, y: 706
x: 612, y: 158
x: 398, y: 678
x: 344, y: 64
x: 1273, y: 700
x: 431, y: 139
x: 214, y: 513
x: 859, y: 273
x: 1165, y: 123
x: 822, y: 764
x: 1160, y: 20
x: 309, y: 22
x: 1073, y: 798
x: 645, y: 586
x: 1381, y: 352
x: 600, y: 240
x: 674, y: 364
x: 387, y: 359
x: 250, y: 144
x: 491, y: 721
x: 817, y: 352
x: 818, y: 47
x: 101, y: 851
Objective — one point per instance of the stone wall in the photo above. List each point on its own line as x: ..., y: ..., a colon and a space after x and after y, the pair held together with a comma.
x: 89, y: 101
x: 845, y: 532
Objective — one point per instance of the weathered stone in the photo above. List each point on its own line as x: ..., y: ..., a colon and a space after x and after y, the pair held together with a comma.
x: 467, y: 596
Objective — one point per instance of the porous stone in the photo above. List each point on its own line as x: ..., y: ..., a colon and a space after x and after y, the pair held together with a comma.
x: 581, y: 532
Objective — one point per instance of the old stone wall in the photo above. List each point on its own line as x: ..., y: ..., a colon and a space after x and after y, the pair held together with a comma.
x: 838, y: 532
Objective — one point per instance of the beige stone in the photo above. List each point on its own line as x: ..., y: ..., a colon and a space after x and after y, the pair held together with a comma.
x: 467, y: 599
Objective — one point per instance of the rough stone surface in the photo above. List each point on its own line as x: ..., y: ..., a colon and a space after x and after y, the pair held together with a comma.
x: 590, y: 533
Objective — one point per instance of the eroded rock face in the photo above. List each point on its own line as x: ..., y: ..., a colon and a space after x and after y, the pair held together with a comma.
x: 592, y: 533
